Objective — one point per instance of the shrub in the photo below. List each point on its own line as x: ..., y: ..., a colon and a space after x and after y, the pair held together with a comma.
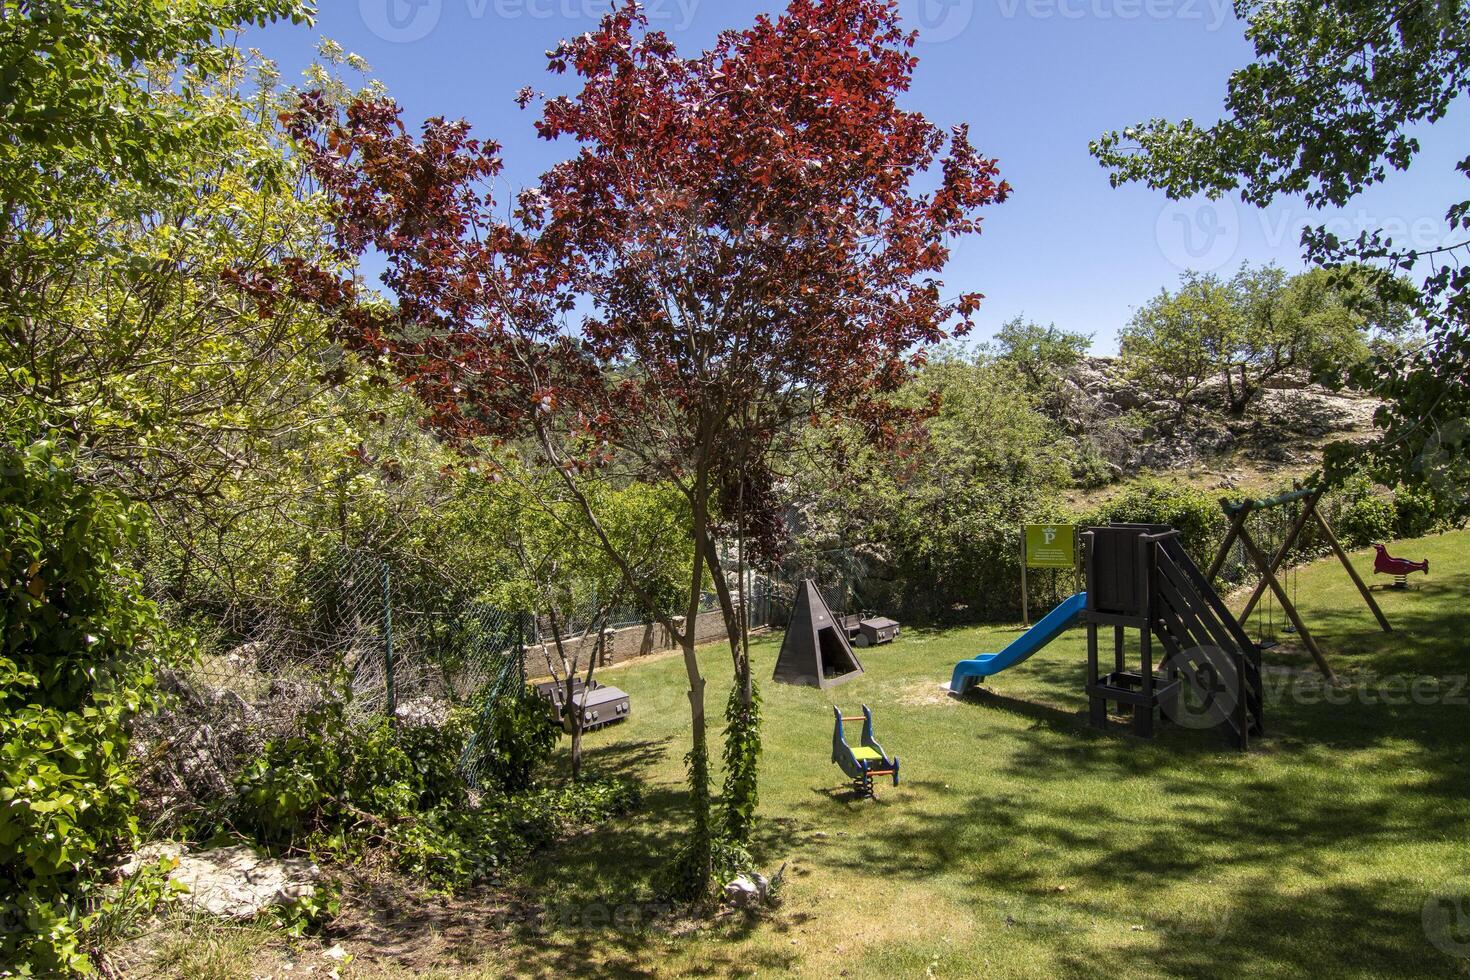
x: 1360, y: 512
x: 681, y: 879
x: 339, y: 791
x: 451, y: 847
x: 518, y: 737
x: 1416, y: 512
x: 74, y: 669
x: 1366, y: 521
x: 1193, y: 512
x: 436, y: 754
x: 329, y: 776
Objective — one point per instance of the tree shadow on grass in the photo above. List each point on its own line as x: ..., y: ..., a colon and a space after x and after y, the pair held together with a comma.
x: 584, y: 905
x: 628, y: 759
x: 1429, y: 622
x: 1074, y: 723
x: 592, y: 902
x: 1152, y: 817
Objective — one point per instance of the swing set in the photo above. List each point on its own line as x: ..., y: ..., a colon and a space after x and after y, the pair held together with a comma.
x: 1282, y: 536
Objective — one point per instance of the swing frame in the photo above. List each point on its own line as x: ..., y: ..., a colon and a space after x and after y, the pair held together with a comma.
x: 1239, y: 512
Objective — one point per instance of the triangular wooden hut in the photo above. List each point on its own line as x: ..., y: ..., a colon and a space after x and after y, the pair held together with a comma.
x: 815, y: 651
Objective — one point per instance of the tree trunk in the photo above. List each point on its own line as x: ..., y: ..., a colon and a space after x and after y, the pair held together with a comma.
x: 571, y: 717
x: 699, y: 854
x: 1248, y: 390
x: 742, y: 733
x: 597, y: 653
x: 576, y: 746
x: 728, y: 611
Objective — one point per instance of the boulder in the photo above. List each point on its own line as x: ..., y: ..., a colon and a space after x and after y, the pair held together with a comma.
x: 230, y: 882
x: 1128, y: 397
x: 236, y: 882
x: 748, y: 891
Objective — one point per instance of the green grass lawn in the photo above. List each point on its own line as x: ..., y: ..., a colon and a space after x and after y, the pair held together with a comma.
x: 1023, y: 843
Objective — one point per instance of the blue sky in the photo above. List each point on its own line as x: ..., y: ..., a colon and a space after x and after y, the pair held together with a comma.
x: 1035, y: 79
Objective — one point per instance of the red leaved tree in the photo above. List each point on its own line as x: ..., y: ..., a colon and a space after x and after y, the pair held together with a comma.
x: 742, y: 241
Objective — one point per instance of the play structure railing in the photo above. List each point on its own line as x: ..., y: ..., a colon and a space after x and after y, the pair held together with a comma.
x: 1194, y: 617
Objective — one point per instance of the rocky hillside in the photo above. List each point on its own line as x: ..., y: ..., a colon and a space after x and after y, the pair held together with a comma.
x: 1131, y: 431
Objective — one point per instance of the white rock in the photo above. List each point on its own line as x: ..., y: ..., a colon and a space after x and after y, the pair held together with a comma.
x: 748, y: 890
x: 150, y: 854
x: 236, y: 882
x: 423, y: 712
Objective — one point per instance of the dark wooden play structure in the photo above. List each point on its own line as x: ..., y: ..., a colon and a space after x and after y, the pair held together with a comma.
x: 1195, y: 666
x: 1268, y: 566
x: 815, y: 650
x: 1205, y: 672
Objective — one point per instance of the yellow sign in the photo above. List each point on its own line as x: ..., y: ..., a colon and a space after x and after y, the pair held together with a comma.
x: 1051, y: 546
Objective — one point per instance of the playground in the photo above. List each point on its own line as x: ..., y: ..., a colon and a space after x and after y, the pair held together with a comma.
x: 1023, y: 842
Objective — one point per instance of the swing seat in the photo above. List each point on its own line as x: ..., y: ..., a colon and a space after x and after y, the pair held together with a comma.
x: 1268, y: 644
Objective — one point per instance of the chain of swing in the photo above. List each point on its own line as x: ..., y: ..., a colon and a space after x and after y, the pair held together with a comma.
x: 1273, y: 526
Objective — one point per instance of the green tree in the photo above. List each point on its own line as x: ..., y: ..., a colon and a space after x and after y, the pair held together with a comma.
x: 130, y: 317
x: 564, y: 576
x: 87, y: 109
x: 1301, y: 323
x: 1258, y: 325
x: 1041, y: 354
x: 122, y: 317
x: 939, y: 522
x: 1179, y: 340
x: 1326, y: 110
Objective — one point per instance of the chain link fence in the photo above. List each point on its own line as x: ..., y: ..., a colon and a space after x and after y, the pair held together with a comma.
x: 390, y: 640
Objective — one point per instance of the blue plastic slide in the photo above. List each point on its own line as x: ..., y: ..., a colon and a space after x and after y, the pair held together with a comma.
x: 968, y: 673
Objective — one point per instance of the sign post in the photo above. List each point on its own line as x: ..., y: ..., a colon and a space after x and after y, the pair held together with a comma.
x: 1025, y: 604
x: 1045, y: 546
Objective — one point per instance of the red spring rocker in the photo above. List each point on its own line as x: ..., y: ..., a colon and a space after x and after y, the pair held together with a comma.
x: 1399, y: 568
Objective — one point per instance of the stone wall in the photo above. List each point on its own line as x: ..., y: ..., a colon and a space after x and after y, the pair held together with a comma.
x: 627, y: 643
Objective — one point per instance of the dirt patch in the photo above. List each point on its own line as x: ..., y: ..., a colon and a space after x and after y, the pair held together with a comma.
x: 924, y: 693
x: 389, y: 924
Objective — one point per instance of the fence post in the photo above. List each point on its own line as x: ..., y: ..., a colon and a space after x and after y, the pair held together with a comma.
x: 521, y: 652
x: 390, y: 687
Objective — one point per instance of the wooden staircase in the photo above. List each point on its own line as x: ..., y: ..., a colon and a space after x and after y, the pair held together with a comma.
x: 1204, y: 641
